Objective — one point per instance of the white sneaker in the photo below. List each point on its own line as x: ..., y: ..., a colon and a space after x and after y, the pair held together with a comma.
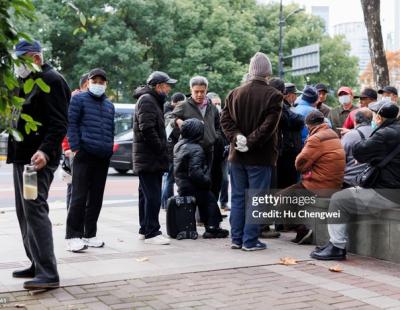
x: 93, y: 242
x: 141, y: 237
x: 160, y: 239
x: 76, y: 245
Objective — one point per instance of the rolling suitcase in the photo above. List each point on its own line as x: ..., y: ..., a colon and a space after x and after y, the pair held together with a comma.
x: 181, y: 222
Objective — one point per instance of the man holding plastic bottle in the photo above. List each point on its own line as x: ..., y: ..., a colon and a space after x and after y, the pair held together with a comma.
x: 42, y: 149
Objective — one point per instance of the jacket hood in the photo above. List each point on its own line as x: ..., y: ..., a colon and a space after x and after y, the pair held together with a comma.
x: 192, y: 130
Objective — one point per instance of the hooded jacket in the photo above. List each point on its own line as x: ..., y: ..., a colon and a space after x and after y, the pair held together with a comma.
x: 190, y: 168
x: 150, y: 142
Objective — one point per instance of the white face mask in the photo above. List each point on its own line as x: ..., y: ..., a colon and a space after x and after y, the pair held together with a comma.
x: 22, y: 71
x: 386, y: 98
x: 344, y: 99
x: 97, y: 89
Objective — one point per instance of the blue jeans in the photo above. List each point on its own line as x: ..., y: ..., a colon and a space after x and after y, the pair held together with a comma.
x: 223, y: 198
x: 244, y: 178
x: 167, y: 186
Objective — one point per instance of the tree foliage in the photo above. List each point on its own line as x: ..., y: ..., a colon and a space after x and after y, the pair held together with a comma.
x: 215, y: 38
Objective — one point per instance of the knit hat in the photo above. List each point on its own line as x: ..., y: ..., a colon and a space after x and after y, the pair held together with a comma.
x: 310, y: 94
x: 260, y: 65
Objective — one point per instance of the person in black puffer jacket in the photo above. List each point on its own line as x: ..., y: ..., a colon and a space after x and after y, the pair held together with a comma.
x: 384, y: 192
x: 150, y: 158
x: 192, y: 175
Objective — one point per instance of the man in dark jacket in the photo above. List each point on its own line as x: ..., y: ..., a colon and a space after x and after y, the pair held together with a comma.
x: 91, y: 138
x: 150, y: 158
x: 250, y: 121
x: 191, y: 176
x: 200, y: 107
x: 43, y: 149
x: 321, y: 103
x: 384, y: 193
x: 289, y: 135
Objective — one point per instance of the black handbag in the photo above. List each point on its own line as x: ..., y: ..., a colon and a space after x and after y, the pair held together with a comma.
x: 368, y: 177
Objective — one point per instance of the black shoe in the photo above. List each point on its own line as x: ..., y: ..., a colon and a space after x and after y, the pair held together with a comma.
x: 330, y: 252
x: 319, y: 248
x: 24, y: 273
x: 303, y: 237
x: 40, y: 284
x: 212, y: 233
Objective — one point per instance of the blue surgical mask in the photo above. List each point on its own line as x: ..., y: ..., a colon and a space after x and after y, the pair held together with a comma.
x: 97, y: 89
x: 374, y: 125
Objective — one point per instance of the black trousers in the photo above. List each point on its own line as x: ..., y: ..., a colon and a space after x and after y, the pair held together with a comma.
x: 286, y: 171
x: 149, y: 203
x: 34, y: 222
x: 88, y: 183
x: 209, y: 211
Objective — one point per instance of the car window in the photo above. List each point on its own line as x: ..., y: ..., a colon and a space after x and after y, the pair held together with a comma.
x: 123, y: 121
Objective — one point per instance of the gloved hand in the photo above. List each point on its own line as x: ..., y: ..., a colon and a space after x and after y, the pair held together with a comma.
x: 241, y: 144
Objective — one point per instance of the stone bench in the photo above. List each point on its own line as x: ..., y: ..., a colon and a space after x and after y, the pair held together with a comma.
x: 366, y: 237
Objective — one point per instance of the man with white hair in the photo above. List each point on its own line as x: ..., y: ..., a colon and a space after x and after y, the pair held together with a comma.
x: 250, y: 120
x: 200, y: 107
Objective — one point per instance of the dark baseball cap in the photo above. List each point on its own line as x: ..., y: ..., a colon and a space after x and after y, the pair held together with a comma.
x: 385, y: 109
x: 158, y: 77
x: 368, y: 93
x: 290, y: 88
x: 321, y: 87
x: 24, y: 46
x: 388, y: 89
x: 97, y: 72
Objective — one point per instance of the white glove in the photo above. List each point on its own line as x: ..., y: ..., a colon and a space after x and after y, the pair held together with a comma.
x: 241, y: 148
x: 241, y: 140
x: 241, y: 144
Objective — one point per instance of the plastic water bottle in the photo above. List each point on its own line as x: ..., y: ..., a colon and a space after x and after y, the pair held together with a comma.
x: 30, y: 182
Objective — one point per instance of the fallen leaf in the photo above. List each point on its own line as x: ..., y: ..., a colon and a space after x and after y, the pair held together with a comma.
x: 142, y: 259
x: 288, y: 261
x: 120, y: 240
x: 20, y: 306
x: 335, y: 268
x: 57, y: 224
x: 2, y: 212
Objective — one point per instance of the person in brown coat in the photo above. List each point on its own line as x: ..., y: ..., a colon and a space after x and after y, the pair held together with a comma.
x: 250, y: 120
x: 321, y: 163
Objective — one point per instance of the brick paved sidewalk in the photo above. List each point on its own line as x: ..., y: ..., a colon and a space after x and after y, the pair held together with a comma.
x: 308, y: 285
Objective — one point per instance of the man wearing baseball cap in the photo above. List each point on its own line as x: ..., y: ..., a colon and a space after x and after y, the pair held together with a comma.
x: 382, y: 194
x: 322, y: 95
x: 389, y: 93
x: 43, y: 149
x: 339, y: 114
x: 91, y: 138
x: 150, y: 154
x: 367, y: 96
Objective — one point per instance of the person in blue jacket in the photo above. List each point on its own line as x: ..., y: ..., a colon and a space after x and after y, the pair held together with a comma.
x: 91, y: 137
x: 305, y: 105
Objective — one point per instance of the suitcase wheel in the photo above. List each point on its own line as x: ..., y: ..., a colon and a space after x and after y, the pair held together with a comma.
x: 193, y: 235
x: 181, y: 235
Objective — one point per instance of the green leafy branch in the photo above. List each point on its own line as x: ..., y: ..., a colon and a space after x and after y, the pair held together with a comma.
x: 82, y: 18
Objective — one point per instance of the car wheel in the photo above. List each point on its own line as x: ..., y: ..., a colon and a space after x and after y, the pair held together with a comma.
x: 122, y: 171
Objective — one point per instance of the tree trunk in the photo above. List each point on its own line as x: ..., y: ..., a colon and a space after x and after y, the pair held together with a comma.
x: 371, y: 9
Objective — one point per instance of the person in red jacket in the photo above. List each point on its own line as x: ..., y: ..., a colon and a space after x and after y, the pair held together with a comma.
x: 367, y: 96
